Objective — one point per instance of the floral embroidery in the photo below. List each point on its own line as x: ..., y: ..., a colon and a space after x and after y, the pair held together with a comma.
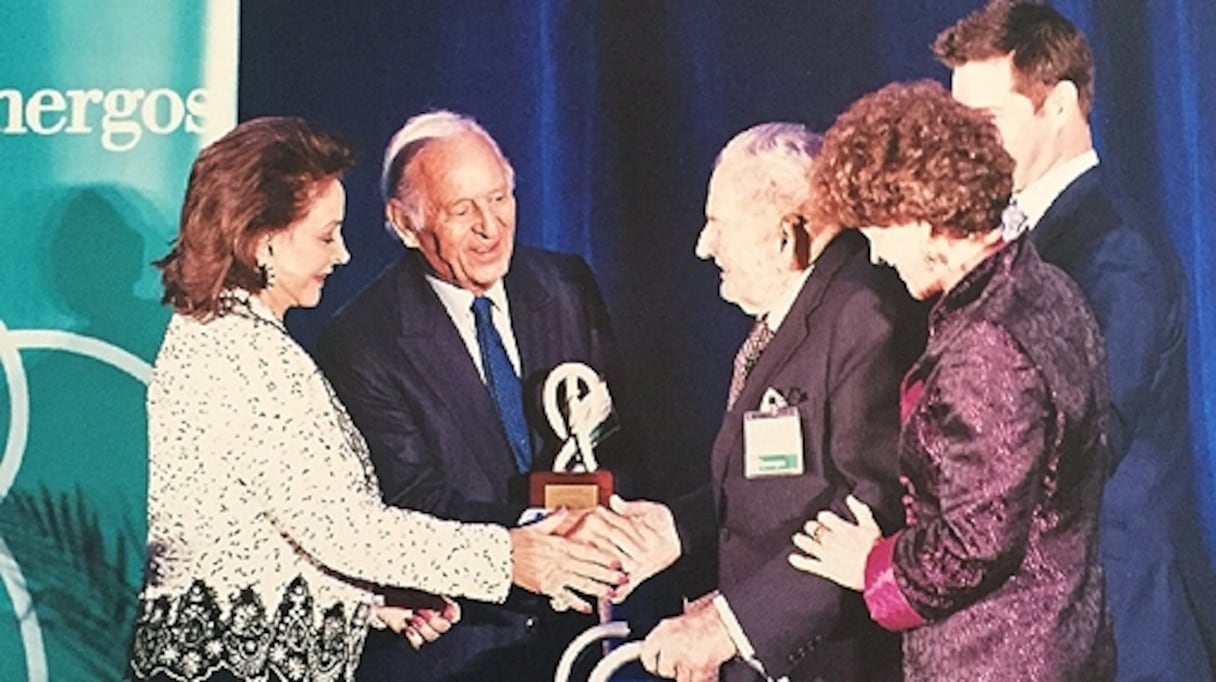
x: 190, y: 639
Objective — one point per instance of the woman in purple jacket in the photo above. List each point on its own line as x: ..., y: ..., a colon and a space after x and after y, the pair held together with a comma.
x: 1002, y: 447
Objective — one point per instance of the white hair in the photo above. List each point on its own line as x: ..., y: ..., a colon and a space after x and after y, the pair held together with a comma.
x: 773, y: 161
x: 417, y: 132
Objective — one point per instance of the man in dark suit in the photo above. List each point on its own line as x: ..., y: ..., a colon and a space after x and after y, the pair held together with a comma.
x: 812, y: 416
x: 1033, y: 70
x: 440, y: 363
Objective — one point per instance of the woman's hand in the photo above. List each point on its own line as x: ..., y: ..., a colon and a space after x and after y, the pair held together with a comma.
x: 836, y: 549
x: 420, y: 626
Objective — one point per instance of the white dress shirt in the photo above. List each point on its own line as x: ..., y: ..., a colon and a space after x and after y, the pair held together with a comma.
x: 1039, y: 195
x: 459, y: 304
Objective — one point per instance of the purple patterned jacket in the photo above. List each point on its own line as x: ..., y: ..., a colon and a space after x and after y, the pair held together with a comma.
x: 1004, y: 450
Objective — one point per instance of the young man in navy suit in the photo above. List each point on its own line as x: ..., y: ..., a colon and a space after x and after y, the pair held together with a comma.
x: 1033, y: 70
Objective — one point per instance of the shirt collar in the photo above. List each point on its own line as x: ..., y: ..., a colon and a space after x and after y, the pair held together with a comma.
x: 459, y: 302
x: 1039, y: 195
x: 785, y: 301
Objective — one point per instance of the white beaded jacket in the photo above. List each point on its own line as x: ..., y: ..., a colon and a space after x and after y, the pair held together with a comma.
x: 266, y: 531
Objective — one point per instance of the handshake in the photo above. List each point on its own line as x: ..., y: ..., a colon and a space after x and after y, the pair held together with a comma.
x: 604, y: 553
x: 575, y: 557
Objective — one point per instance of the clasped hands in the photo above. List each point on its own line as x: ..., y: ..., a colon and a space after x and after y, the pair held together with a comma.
x: 420, y: 626
x: 602, y: 553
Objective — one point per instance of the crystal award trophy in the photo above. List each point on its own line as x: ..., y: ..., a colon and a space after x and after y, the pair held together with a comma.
x: 579, y: 410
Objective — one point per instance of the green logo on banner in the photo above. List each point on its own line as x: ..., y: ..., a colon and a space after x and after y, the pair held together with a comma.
x: 103, y: 106
x: 119, y: 117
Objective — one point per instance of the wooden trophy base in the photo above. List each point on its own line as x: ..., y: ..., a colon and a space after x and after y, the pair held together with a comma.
x: 553, y: 489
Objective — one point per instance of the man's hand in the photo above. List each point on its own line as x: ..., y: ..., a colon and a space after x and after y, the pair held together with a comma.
x: 689, y: 648
x: 420, y: 626
x: 546, y: 563
x: 704, y: 601
x: 642, y: 532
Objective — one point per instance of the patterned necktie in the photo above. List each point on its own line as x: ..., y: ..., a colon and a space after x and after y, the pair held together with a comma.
x: 504, y: 385
x: 746, y: 358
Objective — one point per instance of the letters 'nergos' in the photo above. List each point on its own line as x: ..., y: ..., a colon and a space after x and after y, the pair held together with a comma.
x: 123, y: 114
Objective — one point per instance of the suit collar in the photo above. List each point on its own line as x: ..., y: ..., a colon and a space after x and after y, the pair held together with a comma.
x: 1052, y: 226
x: 430, y: 343
x: 775, y: 317
x: 528, y: 299
x: 797, y: 324
x: 1037, y: 198
x: 522, y: 285
x: 459, y: 301
x: 788, y: 339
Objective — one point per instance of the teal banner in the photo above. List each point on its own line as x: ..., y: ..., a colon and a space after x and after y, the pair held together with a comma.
x: 103, y: 106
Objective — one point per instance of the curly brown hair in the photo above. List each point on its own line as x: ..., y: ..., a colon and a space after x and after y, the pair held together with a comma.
x: 1046, y: 48
x: 909, y: 153
x: 259, y: 178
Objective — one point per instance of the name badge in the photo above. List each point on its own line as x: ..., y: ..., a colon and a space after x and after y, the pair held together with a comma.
x: 772, y: 443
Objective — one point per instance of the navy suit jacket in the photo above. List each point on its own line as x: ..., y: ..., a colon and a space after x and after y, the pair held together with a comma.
x: 437, y: 444
x: 1151, y: 544
x: 837, y: 358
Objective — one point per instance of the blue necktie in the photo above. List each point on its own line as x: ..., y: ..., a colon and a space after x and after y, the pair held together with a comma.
x: 503, y: 384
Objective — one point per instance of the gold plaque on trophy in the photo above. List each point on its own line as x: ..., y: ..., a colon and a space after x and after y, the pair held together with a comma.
x: 574, y: 490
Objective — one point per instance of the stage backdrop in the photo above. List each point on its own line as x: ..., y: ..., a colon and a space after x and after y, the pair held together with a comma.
x: 612, y: 113
x: 103, y: 105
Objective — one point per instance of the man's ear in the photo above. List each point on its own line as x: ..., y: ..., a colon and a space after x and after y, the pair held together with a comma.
x: 401, y: 224
x: 795, y: 241
x: 1063, y: 99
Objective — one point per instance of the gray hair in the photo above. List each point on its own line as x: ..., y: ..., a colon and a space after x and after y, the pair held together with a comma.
x: 415, y: 134
x: 774, y: 161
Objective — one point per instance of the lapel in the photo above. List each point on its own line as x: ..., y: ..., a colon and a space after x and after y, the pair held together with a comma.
x: 532, y: 320
x: 528, y: 300
x: 430, y: 343
x: 1057, y: 235
x: 789, y: 339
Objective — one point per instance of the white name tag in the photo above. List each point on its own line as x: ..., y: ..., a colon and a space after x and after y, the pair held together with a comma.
x: 772, y: 443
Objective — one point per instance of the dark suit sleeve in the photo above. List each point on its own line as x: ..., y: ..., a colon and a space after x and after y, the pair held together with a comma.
x: 696, y: 523
x: 1125, y: 287
x: 785, y: 612
x: 411, y: 473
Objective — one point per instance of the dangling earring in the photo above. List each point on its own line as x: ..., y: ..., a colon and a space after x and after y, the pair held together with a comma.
x: 267, y: 272
x: 266, y: 269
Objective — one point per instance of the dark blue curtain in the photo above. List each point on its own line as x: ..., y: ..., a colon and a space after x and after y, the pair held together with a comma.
x: 613, y: 111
